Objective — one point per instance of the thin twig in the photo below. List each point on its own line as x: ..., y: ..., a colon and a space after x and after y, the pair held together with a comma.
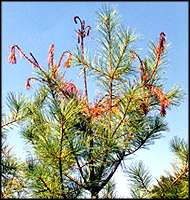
x: 31, y: 61
x: 61, y: 57
x: 45, y: 184
x: 124, y: 115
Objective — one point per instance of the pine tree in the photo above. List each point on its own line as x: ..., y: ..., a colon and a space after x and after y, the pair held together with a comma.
x: 78, y: 145
x: 12, y: 174
x: 173, y: 185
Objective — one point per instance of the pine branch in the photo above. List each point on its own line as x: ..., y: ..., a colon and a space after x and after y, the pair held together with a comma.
x: 74, y: 180
x: 124, y: 115
x: 116, y: 165
x: 17, y: 106
x: 9, y: 123
x: 80, y: 168
x: 45, y: 184
x: 91, y: 162
x: 109, y: 191
x: 77, y: 161
x: 180, y: 148
x: 180, y: 175
x: 140, y: 177
x: 60, y: 157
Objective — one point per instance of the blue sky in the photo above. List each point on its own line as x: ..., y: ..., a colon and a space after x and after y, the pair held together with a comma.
x: 35, y: 25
